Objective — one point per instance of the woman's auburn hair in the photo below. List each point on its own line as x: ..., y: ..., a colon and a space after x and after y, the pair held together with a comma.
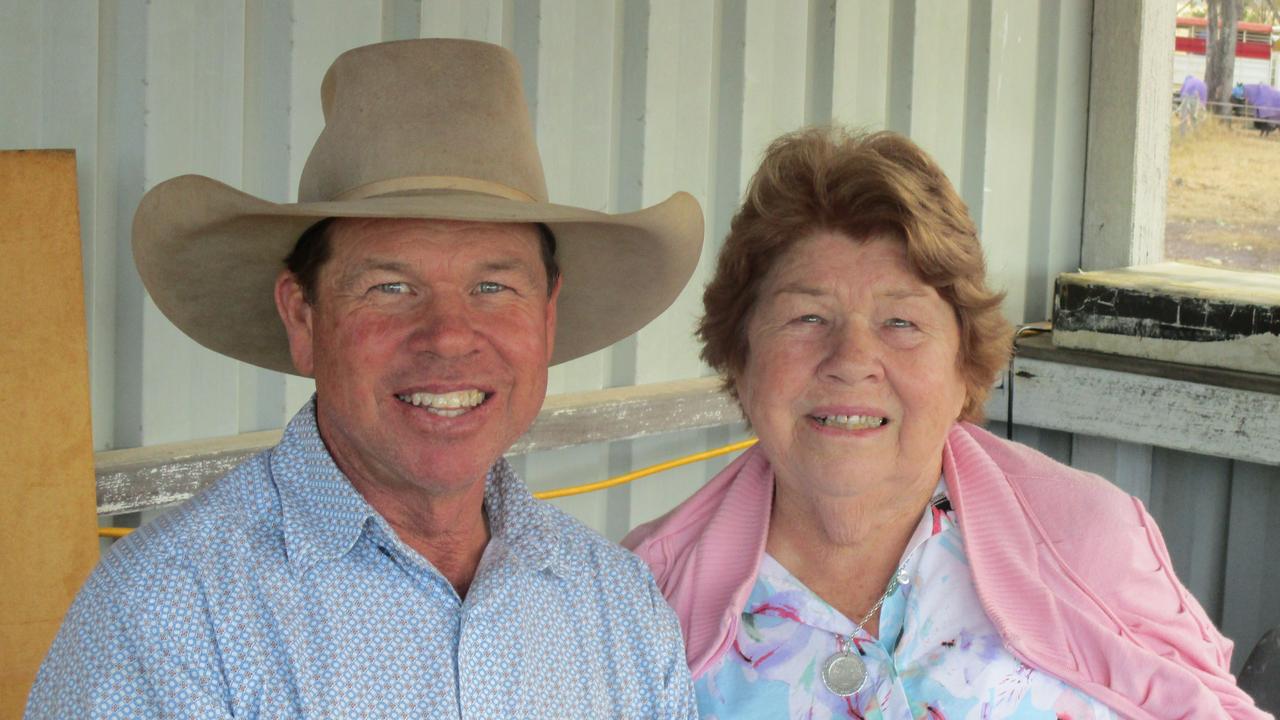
x: 863, y: 186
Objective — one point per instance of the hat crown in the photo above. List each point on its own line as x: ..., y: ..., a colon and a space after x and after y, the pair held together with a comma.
x: 428, y: 114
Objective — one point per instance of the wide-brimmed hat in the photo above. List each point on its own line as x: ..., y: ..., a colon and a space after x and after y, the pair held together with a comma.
x: 413, y: 129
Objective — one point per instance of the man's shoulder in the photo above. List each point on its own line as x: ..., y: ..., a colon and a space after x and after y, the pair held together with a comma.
x: 202, y: 530
x: 584, y: 548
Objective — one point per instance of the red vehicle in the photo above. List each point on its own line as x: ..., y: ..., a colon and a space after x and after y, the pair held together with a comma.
x: 1257, y: 56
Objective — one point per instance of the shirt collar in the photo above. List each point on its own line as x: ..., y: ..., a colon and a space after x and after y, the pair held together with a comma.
x: 323, y: 515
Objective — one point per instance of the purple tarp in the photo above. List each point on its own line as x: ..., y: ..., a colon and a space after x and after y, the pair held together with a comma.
x: 1195, y: 86
x: 1264, y: 99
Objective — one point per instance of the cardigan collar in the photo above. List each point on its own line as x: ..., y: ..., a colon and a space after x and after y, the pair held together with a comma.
x: 726, y: 523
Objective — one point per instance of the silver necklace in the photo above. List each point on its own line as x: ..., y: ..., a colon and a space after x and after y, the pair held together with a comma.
x: 844, y: 673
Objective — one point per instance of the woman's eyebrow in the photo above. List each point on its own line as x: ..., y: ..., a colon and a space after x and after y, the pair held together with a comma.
x: 905, y: 293
x: 797, y: 288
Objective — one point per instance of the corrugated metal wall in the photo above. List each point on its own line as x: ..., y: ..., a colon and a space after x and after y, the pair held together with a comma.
x: 633, y: 100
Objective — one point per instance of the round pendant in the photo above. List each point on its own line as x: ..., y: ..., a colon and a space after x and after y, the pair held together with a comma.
x: 844, y: 673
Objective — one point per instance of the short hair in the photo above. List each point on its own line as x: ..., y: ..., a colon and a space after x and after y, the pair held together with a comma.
x: 863, y: 186
x: 312, y: 251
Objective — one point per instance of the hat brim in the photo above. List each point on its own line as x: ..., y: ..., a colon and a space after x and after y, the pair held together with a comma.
x: 209, y: 256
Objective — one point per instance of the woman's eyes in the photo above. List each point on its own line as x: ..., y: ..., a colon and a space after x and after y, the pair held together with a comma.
x: 895, y: 323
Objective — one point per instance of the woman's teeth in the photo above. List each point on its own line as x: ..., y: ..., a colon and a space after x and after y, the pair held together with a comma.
x: 450, y: 404
x: 852, y: 422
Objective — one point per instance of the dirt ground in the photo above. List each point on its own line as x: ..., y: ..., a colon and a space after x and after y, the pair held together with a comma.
x: 1224, y: 197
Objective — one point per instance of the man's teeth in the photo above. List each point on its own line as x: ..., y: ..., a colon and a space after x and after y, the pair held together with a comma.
x: 451, y: 404
x: 852, y: 422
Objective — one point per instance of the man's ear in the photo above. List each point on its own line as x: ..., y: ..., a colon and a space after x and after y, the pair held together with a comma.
x: 297, y: 315
x: 552, y: 300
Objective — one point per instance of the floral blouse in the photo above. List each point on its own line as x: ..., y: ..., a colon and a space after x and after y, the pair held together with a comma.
x: 938, y: 655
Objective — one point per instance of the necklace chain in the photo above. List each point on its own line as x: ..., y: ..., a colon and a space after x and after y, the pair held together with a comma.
x: 895, y: 581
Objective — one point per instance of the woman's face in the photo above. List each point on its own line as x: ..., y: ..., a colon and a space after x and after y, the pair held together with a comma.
x: 852, y: 376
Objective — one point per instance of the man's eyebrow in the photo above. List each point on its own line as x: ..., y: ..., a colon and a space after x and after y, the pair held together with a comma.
x: 371, y: 265
x: 504, y: 265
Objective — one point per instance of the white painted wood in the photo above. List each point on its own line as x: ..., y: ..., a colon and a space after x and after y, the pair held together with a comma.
x: 195, y: 110
x: 1218, y: 421
x: 1128, y: 156
x: 860, y: 88
x: 940, y: 43
x: 972, y: 182
x: 775, y: 76
x: 1010, y: 142
x: 487, y: 20
x: 1190, y: 500
x: 1126, y: 465
x: 1251, y: 600
x: 401, y: 19
x: 20, y: 125
x: 1061, y: 130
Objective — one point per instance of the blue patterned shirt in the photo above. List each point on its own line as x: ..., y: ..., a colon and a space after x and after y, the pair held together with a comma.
x: 280, y: 593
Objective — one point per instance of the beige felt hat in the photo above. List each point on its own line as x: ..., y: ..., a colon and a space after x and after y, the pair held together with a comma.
x: 413, y: 129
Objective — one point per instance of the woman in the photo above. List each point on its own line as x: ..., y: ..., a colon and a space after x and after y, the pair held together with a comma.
x: 877, y: 554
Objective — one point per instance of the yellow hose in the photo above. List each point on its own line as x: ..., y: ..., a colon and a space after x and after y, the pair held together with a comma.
x: 118, y: 532
x: 652, y: 469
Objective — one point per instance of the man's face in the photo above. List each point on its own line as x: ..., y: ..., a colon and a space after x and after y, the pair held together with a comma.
x: 429, y: 343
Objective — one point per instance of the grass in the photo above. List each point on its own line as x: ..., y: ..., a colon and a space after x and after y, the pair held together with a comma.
x: 1224, y: 196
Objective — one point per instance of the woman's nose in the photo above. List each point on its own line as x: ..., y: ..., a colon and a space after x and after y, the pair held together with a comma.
x: 854, y: 354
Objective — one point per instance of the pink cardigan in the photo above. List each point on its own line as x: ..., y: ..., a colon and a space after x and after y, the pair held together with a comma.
x: 1072, y: 572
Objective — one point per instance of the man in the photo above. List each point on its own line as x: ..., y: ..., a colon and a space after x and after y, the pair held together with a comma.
x: 383, y: 560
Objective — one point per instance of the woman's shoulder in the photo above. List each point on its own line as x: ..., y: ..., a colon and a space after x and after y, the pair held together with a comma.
x: 1056, y: 493
x: 742, y: 490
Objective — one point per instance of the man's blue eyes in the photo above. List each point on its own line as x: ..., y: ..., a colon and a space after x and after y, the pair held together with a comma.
x: 401, y: 288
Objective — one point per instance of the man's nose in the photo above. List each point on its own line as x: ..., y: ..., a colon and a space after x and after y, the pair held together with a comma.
x: 444, y: 327
x: 854, y: 353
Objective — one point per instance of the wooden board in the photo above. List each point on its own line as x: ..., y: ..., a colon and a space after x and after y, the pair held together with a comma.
x: 49, y: 538
x: 1201, y: 410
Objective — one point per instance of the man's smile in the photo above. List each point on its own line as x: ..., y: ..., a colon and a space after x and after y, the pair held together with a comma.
x: 450, y: 404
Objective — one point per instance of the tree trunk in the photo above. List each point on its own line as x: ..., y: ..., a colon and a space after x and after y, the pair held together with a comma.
x: 1220, y: 55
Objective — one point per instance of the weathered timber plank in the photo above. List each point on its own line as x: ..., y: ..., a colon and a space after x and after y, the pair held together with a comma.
x: 142, y: 478
x: 1162, y: 411
x: 1041, y: 347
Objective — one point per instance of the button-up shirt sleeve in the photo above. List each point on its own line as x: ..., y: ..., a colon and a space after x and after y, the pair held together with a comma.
x: 678, y: 698
x: 119, y: 656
